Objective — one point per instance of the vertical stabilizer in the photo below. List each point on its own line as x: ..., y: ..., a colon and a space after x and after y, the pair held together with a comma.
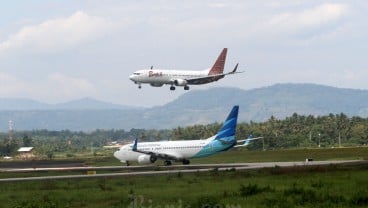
x: 229, y: 126
x: 218, y: 67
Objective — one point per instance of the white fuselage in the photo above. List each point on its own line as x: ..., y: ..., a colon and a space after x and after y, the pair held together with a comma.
x: 159, y: 77
x: 179, y: 149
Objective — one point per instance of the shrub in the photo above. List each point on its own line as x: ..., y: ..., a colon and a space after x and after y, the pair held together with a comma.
x: 252, y: 189
x: 207, y: 202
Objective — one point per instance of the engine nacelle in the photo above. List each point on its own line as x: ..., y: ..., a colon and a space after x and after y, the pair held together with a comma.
x: 146, y: 159
x: 180, y: 82
x: 156, y: 85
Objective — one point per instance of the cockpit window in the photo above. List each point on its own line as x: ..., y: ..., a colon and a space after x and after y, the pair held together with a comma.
x: 136, y: 73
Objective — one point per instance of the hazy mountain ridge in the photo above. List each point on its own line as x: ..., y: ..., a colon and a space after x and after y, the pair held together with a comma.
x: 81, y: 104
x: 193, y: 107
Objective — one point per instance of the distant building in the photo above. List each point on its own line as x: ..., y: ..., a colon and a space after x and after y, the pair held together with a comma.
x: 113, y: 145
x: 26, y: 153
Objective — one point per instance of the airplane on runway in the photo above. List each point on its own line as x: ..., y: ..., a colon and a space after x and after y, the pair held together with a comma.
x: 159, y: 77
x: 182, y: 151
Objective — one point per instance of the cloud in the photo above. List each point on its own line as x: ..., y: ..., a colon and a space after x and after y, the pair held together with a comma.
x: 10, y: 85
x: 57, y: 34
x: 56, y: 87
x: 69, y: 87
x: 318, y: 16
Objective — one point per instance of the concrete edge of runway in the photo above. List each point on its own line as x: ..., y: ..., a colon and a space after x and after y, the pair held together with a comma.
x: 201, y: 168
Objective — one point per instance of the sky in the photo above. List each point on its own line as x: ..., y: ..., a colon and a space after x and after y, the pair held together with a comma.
x: 55, y: 50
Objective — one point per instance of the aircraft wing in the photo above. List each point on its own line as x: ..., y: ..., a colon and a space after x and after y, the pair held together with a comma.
x: 205, y: 80
x: 163, y: 156
x: 211, y: 78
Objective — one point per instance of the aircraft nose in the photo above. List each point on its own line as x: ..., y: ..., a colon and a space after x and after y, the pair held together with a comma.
x: 132, y: 77
x: 116, y: 154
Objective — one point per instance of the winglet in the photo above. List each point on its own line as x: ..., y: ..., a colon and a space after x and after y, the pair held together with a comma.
x: 247, y: 141
x: 235, y: 68
x: 218, y: 67
x: 135, y: 144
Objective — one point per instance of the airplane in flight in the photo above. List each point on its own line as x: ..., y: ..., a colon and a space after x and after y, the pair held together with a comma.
x: 182, y: 151
x: 159, y: 77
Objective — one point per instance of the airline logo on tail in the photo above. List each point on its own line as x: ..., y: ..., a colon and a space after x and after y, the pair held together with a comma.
x: 229, y: 127
x: 218, y: 67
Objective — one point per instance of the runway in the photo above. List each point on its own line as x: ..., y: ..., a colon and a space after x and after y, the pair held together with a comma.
x: 164, y: 170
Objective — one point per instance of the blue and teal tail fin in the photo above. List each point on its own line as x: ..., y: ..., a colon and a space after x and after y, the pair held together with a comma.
x: 228, y: 129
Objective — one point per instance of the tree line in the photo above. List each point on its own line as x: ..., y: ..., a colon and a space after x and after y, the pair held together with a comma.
x: 296, y: 131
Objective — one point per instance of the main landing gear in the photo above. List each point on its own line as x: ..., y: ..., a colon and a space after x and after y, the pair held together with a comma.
x: 167, y: 163
x: 186, y: 87
x: 186, y: 162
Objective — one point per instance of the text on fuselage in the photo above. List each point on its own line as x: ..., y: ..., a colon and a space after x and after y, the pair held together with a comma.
x: 154, y: 74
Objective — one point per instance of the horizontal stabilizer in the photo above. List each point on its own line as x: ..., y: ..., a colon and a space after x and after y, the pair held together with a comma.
x: 246, y: 141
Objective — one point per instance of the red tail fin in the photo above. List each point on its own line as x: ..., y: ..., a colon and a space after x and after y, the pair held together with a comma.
x: 218, y: 67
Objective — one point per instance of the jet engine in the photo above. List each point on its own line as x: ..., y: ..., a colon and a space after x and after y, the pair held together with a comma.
x: 146, y: 159
x: 180, y: 82
x: 156, y: 85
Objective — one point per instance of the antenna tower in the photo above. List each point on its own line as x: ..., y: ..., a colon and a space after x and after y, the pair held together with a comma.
x: 11, y: 125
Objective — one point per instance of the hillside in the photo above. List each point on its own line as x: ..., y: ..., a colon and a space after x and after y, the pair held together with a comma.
x: 193, y: 107
x: 19, y: 104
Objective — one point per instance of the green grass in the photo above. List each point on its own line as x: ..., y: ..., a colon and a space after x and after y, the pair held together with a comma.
x: 243, y: 155
x: 323, y: 186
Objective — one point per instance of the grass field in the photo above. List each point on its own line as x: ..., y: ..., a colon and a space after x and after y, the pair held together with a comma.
x: 242, y: 155
x: 331, y: 186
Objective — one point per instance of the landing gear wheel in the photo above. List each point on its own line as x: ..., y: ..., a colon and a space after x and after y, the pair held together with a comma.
x: 186, y: 87
x: 186, y: 162
x: 127, y: 163
x: 172, y: 88
x: 167, y: 163
x: 153, y: 159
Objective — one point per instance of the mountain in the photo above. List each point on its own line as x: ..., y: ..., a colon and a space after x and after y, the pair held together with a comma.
x: 7, y: 104
x: 280, y: 100
x: 89, y: 104
x: 193, y: 107
x: 20, y: 104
